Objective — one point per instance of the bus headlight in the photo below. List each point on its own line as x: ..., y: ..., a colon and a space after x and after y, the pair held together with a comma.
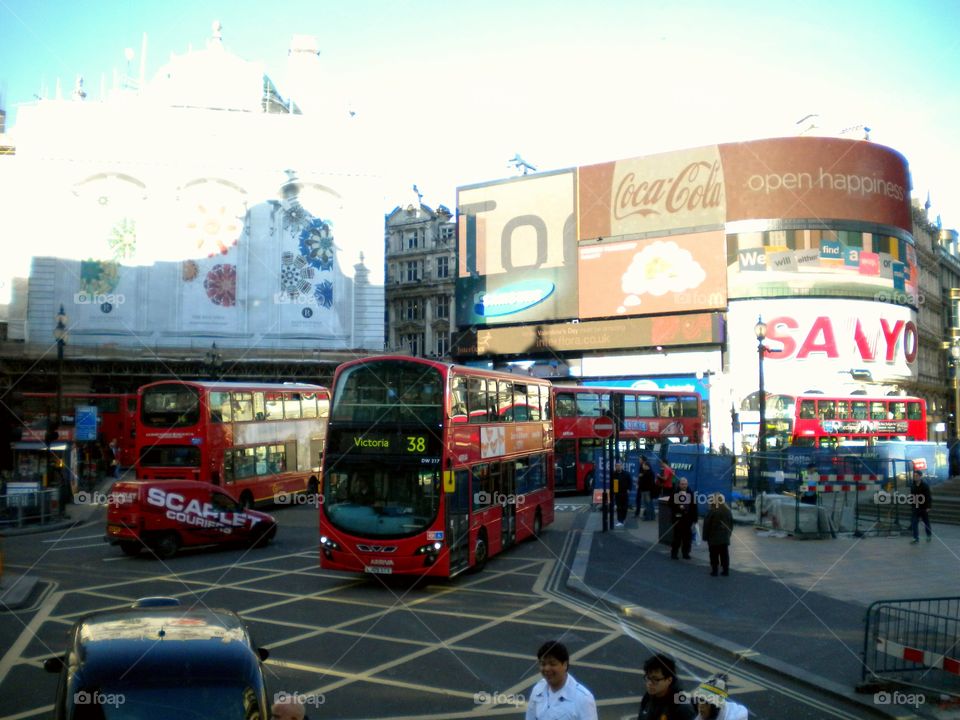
x: 429, y: 549
x: 328, y: 543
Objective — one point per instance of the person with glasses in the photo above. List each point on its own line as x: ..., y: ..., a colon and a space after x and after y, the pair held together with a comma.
x: 558, y: 696
x: 663, y: 699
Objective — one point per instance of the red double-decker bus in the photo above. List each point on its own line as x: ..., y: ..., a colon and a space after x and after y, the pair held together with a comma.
x: 814, y: 420
x: 116, y: 417
x: 431, y: 468
x: 646, y: 418
x: 258, y: 441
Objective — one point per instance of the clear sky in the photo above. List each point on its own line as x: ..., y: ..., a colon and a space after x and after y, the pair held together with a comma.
x: 457, y: 88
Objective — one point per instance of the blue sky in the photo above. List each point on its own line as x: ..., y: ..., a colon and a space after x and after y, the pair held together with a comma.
x: 454, y: 89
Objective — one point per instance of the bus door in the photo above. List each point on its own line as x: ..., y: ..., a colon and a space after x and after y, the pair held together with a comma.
x: 457, y: 512
x: 506, y: 489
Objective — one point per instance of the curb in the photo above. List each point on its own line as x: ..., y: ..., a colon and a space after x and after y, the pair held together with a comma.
x: 64, y: 524
x: 661, y: 623
x: 15, y: 590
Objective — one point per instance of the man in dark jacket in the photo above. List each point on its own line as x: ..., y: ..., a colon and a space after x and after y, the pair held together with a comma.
x: 920, y: 501
x: 646, y: 490
x: 621, y: 486
x: 717, y: 529
x: 683, y: 514
x: 663, y: 699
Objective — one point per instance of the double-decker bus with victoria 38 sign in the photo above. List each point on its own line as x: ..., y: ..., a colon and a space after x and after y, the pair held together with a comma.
x: 814, y: 420
x: 431, y: 468
x: 259, y: 441
x: 646, y: 418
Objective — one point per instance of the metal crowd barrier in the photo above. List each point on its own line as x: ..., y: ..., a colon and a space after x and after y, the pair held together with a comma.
x: 913, y: 642
x: 32, y: 507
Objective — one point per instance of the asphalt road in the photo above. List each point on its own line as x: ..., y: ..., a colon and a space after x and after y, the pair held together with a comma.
x: 369, y: 647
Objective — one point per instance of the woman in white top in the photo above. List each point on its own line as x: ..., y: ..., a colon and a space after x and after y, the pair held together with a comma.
x: 558, y: 696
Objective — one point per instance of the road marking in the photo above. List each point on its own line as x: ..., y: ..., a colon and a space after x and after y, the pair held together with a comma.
x: 79, y: 537
x: 12, y: 656
x: 76, y: 547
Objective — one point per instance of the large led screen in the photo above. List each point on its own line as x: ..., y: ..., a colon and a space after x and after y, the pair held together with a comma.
x: 517, y: 251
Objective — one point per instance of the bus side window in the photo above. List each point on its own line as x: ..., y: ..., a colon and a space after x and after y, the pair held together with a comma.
x: 458, y: 401
x: 807, y: 411
x: 477, y: 400
x: 566, y: 405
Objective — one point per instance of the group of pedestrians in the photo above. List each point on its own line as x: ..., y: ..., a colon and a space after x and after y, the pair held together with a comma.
x: 559, y: 695
x: 682, y: 505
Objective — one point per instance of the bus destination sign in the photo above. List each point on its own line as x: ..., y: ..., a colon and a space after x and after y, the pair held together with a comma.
x: 378, y: 443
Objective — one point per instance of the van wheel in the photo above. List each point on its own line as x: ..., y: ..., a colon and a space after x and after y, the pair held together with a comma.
x: 130, y: 548
x: 480, y: 552
x: 166, y: 545
x: 264, y: 539
x: 246, y: 501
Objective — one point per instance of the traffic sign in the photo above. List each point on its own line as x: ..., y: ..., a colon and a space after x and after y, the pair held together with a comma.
x: 86, y: 422
x: 603, y: 427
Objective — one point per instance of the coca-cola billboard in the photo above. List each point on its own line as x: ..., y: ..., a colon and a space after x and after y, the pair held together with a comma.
x: 683, y: 189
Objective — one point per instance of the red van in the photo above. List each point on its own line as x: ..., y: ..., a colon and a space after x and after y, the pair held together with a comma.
x: 165, y: 515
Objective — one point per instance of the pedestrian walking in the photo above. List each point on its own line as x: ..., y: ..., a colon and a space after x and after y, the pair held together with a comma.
x: 683, y: 514
x: 663, y: 698
x: 717, y: 529
x: 713, y: 702
x: 621, y: 488
x: 558, y: 696
x: 920, y: 500
x: 287, y: 708
x: 665, y: 479
x: 115, y: 458
x: 646, y: 490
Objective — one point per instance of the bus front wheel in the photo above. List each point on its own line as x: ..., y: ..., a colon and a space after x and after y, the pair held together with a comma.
x: 246, y: 501
x: 480, y: 552
x: 588, y: 484
x: 537, y: 525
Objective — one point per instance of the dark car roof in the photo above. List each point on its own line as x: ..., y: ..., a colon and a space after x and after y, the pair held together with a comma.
x: 169, y: 645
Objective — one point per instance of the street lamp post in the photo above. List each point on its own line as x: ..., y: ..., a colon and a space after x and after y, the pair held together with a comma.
x: 60, y: 336
x: 213, y: 360
x: 760, y: 330
x: 955, y: 355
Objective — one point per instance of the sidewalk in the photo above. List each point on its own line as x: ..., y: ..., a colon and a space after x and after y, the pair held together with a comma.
x: 795, y: 606
x: 17, y: 590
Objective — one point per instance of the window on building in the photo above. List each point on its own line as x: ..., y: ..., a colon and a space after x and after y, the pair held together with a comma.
x: 413, y: 342
x: 413, y: 271
x: 443, y: 306
x: 412, y: 309
x: 443, y: 266
x: 414, y: 238
x: 443, y: 344
x: 446, y: 234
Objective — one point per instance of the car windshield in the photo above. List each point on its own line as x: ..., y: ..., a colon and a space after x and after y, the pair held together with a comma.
x: 190, y: 702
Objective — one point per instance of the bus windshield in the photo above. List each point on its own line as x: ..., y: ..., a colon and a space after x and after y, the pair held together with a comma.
x: 166, y: 406
x: 389, y: 392
x: 374, y: 499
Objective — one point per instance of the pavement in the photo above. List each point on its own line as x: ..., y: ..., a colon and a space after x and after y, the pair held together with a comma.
x: 792, y: 606
x: 17, y: 591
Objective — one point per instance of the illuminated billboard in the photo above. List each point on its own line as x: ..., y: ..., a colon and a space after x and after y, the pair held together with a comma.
x: 653, y: 276
x: 517, y: 251
x: 685, y: 231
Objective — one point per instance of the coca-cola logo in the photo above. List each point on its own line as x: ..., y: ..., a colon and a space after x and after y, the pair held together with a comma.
x: 696, y: 186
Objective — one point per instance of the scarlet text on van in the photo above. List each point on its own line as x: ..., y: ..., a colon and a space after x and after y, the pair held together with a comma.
x: 193, y: 512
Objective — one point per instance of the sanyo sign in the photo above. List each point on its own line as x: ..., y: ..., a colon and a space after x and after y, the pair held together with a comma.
x: 828, y: 335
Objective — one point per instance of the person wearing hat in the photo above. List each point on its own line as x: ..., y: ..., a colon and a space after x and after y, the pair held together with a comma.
x: 920, y: 500
x: 713, y: 703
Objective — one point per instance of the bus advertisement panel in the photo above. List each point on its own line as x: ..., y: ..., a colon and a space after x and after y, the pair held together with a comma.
x: 258, y: 441
x: 644, y: 418
x: 432, y: 468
